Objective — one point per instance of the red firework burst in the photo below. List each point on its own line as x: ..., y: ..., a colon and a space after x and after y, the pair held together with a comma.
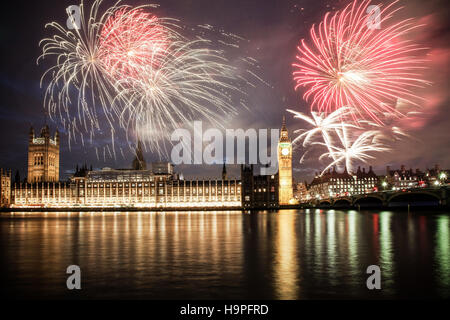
x: 130, y: 40
x: 350, y: 62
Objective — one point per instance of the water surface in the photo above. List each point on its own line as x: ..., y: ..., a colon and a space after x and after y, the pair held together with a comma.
x: 312, y: 254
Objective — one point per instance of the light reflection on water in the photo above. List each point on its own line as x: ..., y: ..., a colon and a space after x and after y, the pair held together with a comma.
x: 443, y: 252
x: 286, y: 263
x: 226, y: 255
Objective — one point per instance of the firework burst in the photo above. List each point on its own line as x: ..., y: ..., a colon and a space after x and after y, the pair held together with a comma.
x: 322, y: 124
x: 144, y: 74
x: 351, y: 149
x: 345, y: 142
x: 190, y: 81
x: 132, y: 39
x: 349, y: 64
x: 78, y: 78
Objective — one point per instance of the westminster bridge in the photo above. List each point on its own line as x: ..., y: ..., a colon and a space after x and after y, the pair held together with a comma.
x: 437, y: 196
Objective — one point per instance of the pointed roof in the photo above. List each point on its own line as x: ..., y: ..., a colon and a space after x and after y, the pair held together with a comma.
x: 224, y: 171
x: 45, y: 130
x: 284, y: 137
x: 283, y: 127
x: 139, y: 161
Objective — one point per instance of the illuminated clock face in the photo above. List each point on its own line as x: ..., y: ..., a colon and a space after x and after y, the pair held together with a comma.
x: 285, y: 151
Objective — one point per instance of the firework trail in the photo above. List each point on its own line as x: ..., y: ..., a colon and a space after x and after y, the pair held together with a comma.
x: 345, y: 142
x: 387, y: 133
x: 357, y: 149
x: 323, y: 125
x: 144, y: 74
x: 132, y: 39
x: 78, y: 73
x: 188, y: 75
x: 348, y: 64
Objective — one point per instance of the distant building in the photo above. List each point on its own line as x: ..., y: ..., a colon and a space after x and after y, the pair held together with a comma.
x: 334, y: 184
x: 5, y: 188
x: 408, y: 178
x: 136, y: 187
x: 301, y: 193
x: 162, y: 168
x: 259, y: 191
x: 43, y: 156
x: 365, y: 182
x: 129, y: 188
x: 404, y: 178
x: 436, y: 176
x: 139, y: 187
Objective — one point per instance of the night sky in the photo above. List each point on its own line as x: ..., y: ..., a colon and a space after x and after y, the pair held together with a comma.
x: 273, y: 30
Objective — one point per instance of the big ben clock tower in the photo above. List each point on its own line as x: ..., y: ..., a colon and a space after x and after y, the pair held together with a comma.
x: 285, y: 166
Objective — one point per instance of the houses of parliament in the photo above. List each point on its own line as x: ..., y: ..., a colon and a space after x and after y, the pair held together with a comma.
x: 140, y: 187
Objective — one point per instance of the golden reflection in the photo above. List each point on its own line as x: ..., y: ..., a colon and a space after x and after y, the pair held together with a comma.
x: 287, y: 264
x: 202, y: 250
x: 215, y: 249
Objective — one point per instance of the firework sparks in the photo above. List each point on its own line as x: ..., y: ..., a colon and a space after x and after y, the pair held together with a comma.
x: 348, y: 64
x: 387, y: 133
x: 190, y: 81
x: 345, y: 142
x: 145, y: 75
x: 132, y: 39
x: 323, y: 126
x: 350, y: 150
x: 321, y: 123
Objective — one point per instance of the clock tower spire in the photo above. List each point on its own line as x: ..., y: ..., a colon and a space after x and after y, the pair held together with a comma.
x: 285, y: 166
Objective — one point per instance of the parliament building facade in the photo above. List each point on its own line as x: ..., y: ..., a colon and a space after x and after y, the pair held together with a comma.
x: 129, y: 188
x: 140, y: 187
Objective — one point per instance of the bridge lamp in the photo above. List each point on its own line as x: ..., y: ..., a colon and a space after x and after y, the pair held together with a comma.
x: 384, y: 184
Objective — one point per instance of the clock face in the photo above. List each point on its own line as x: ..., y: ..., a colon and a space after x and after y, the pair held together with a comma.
x: 285, y: 151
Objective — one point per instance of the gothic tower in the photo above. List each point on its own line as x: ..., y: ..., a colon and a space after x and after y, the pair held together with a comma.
x: 285, y: 166
x: 139, y: 161
x: 224, y: 171
x: 43, y: 156
x: 5, y: 188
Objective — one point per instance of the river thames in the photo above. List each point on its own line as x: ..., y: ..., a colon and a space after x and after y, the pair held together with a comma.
x: 304, y: 254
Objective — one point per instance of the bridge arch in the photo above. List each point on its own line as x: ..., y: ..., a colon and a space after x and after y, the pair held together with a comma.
x: 371, y: 195
x: 369, y: 201
x: 414, y: 198
x: 344, y: 202
x: 415, y: 194
x: 325, y: 203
